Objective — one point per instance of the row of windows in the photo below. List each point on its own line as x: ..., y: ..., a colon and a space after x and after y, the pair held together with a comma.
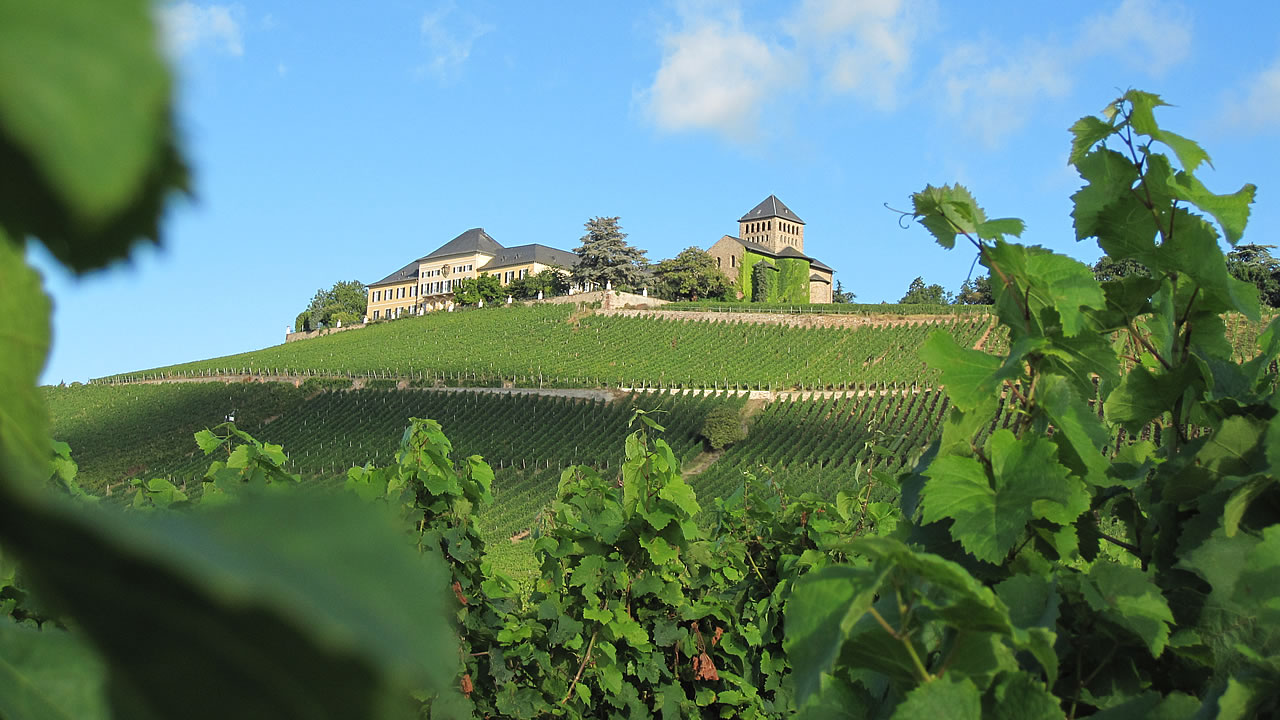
x: 767, y: 225
x: 394, y: 293
x: 733, y: 261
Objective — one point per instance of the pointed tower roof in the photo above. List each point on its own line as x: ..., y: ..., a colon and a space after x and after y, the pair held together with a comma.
x: 470, y: 241
x: 771, y: 207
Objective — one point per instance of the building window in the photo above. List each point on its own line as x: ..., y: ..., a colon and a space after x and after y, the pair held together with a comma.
x: 733, y: 261
x: 375, y: 314
x: 524, y: 273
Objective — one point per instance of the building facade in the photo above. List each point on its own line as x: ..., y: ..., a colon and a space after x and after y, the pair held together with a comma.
x: 427, y: 283
x: 767, y: 255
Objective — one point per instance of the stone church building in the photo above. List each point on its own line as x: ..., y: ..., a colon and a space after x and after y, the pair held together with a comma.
x: 767, y: 258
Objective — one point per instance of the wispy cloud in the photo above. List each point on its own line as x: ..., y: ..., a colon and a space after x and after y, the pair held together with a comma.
x: 716, y: 76
x: 1256, y: 106
x: 449, y: 36
x: 993, y: 94
x: 719, y: 75
x: 1142, y: 33
x: 862, y: 47
x: 993, y: 88
x: 186, y: 27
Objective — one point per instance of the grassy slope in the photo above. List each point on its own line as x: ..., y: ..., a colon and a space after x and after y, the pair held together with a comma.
x: 553, y: 346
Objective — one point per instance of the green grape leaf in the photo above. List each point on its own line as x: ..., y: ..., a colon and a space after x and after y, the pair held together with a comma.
x: 660, y: 552
x: 1231, y: 211
x: 1032, y: 600
x: 681, y: 494
x: 1019, y: 696
x: 1109, y: 177
x: 86, y: 140
x: 1078, y: 425
x: 24, y: 340
x: 1142, y: 116
x: 999, y: 227
x: 1192, y: 249
x: 1189, y: 152
x: 207, y: 441
x: 1128, y: 597
x: 968, y: 375
x: 1085, y: 133
x: 296, y: 601
x: 944, y: 698
x: 824, y: 606
x: 1258, y: 585
x: 49, y: 674
x: 1067, y: 285
x: 988, y: 521
x: 948, y: 210
x: 1142, y: 396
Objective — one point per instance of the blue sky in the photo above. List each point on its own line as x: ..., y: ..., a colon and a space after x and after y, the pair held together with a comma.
x: 336, y: 141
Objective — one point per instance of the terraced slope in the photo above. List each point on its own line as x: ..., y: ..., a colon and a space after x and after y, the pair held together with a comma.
x: 556, y: 346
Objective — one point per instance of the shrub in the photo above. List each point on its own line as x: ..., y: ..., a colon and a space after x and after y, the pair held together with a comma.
x: 723, y: 427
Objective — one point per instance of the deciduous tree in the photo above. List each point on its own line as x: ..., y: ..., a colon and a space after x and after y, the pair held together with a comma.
x: 691, y: 275
x: 920, y: 294
x: 345, y: 301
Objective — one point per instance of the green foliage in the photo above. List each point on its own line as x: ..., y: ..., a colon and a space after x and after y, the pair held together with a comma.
x: 723, y: 427
x: 1255, y: 265
x: 920, y: 294
x: 976, y: 291
x: 87, y: 154
x: 598, y: 351
x: 604, y: 257
x: 551, y: 282
x: 793, y: 280
x: 1108, y: 268
x: 345, y: 301
x: 840, y: 296
x: 172, y: 603
x: 691, y: 275
x: 1066, y: 562
x: 483, y: 288
x: 764, y: 281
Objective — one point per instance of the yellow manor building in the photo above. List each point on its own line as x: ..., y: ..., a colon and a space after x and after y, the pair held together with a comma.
x: 427, y: 283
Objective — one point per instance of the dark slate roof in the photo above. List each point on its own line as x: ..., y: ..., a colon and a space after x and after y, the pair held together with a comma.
x: 472, y: 241
x: 784, y: 252
x: 767, y: 264
x: 405, y: 274
x: 818, y: 278
x: 525, y: 254
x: 771, y: 207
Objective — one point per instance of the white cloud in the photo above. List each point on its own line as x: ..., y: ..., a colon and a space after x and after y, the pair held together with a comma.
x: 186, y: 27
x: 1257, y: 108
x: 449, y: 37
x: 995, y: 96
x: 994, y: 88
x: 717, y: 76
x: 864, y: 46
x: 1144, y: 34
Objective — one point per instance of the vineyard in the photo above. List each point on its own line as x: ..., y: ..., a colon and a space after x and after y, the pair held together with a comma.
x: 1076, y: 516
x: 557, y: 346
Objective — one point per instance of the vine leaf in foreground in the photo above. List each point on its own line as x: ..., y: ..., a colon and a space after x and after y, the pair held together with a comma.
x: 294, y: 601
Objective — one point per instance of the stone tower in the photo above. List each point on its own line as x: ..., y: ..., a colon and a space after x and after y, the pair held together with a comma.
x: 773, y: 225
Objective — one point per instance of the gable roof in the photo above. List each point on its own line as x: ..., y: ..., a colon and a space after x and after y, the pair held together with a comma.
x: 786, y: 252
x: 533, y: 252
x: 771, y: 207
x: 405, y: 274
x: 818, y: 278
x: 475, y: 240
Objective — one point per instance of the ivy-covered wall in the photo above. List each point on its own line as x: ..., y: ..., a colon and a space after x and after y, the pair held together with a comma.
x: 745, y: 280
x: 793, y: 280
